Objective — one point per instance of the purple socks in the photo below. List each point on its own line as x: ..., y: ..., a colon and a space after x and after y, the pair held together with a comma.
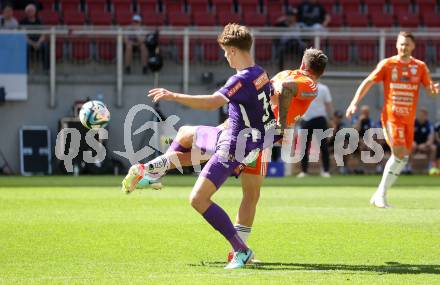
x: 220, y: 221
x: 175, y: 146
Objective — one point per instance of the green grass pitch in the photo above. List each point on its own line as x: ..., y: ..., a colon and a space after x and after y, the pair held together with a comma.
x: 83, y: 230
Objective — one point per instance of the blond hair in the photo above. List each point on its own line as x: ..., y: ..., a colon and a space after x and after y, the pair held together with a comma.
x: 237, y: 36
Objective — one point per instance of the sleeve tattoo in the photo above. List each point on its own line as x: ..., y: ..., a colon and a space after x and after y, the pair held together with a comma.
x: 287, y: 93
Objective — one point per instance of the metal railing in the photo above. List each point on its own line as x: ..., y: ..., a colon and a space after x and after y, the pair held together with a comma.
x: 191, y: 33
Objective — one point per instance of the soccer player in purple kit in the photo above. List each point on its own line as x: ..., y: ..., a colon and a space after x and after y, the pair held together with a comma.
x: 248, y: 94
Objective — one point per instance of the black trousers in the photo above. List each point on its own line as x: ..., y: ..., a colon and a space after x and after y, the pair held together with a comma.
x: 315, y: 123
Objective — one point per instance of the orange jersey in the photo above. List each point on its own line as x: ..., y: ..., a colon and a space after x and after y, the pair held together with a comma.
x: 307, y: 90
x: 401, y: 87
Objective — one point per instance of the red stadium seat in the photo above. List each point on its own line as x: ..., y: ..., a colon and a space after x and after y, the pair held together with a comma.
x: 150, y: 18
x: 293, y: 3
x: 350, y: 6
x: 426, y: 6
x: 210, y: 50
x: 367, y: 51
x: 225, y: 17
x: 263, y: 50
x: 100, y: 18
x: 273, y: 16
x: 401, y: 6
x: 274, y: 5
x: 431, y: 19
x: 407, y: 20
x: 375, y: 6
x: 96, y: 5
x: 125, y: 6
x: 390, y: 47
x: 123, y: 18
x: 254, y: 19
x: 420, y: 52
x: 49, y: 17
x: 173, y: 6
x: 80, y: 49
x: 198, y: 6
x: 336, y: 21
x: 223, y: 5
x: 106, y: 50
x: 70, y: 5
x: 148, y: 6
x: 357, y: 20
x: 249, y: 6
x: 204, y: 18
x: 179, y: 19
x: 47, y: 4
x: 381, y: 20
x: 74, y: 18
x: 339, y: 50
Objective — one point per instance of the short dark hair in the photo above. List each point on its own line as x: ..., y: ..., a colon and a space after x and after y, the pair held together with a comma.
x: 406, y: 34
x: 315, y: 60
x: 237, y: 36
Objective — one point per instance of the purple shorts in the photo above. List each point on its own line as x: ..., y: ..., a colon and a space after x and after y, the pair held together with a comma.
x: 218, y: 171
x: 219, y: 167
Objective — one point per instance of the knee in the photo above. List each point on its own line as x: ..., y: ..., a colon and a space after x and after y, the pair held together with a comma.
x: 196, y: 201
x: 185, y: 135
x: 251, y: 196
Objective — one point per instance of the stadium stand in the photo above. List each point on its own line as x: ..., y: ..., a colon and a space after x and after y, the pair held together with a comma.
x: 49, y: 17
x: 203, y: 18
x: 196, y: 6
x: 126, y: 6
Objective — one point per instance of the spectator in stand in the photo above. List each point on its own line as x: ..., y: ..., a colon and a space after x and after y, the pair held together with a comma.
x: 316, y: 118
x: 436, y: 170
x: 311, y: 14
x: 424, y: 138
x: 37, y: 43
x: 135, y: 41
x: 289, y: 43
x: 7, y: 20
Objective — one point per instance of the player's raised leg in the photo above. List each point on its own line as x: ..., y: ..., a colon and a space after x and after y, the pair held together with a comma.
x: 150, y: 172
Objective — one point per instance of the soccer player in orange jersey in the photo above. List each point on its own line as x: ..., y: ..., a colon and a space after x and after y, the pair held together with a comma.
x: 401, y: 76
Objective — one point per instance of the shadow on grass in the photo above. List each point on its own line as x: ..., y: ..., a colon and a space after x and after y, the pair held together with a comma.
x: 387, y: 268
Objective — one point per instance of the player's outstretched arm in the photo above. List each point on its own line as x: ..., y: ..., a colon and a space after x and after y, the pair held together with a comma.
x: 360, y: 93
x: 200, y: 102
x: 288, y: 91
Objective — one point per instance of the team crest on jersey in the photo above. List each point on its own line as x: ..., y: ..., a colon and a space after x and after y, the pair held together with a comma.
x: 413, y: 69
x: 262, y: 80
x: 234, y: 89
x: 394, y: 74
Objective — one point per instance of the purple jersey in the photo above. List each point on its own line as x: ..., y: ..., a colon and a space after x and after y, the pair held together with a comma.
x: 248, y: 93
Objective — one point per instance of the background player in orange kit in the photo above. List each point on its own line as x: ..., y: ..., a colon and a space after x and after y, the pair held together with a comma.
x: 401, y: 75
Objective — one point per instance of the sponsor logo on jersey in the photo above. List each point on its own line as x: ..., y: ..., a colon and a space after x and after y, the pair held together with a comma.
x: 234, y: 89
x: 308, y: 94
x: 404, y: 86
x: 262, y: 80
x: 413, y: 69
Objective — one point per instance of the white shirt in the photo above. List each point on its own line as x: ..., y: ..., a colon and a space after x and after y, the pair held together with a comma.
x: 317, y: 107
